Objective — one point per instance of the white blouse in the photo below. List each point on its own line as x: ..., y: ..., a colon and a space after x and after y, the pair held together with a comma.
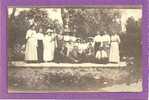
x: 40, y: 36
x: 98, y: 38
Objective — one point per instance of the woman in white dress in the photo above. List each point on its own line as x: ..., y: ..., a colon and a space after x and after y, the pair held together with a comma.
x: 31, y: 46
x: 49, y: 46
x: 114, y: 49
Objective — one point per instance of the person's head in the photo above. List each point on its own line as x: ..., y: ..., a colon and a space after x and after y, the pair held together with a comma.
x: 90, y: 40
x: 83, y: 41
x: 75, y: 47
x: 32, y: 27
x: 40, y: 30
x: 114, y: 33
x: 90, y: 44
x: 98, y: 32
x: 104, y: 32
x: 78, y: 41
x: 49, y: 31
x: 70, y: 42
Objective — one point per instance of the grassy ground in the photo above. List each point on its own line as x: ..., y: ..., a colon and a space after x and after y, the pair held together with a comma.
x: 88, y: 79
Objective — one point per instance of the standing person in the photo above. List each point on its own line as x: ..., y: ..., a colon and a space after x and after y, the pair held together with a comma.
x: 106, y: 47
x: 97, y: 46
x: 49, y: 46
x: 90, y: 53
x: 31, y: 45
x: 69, y: 46
x: 114, y: 49
x: 40, y: 38
x: 59, y: 41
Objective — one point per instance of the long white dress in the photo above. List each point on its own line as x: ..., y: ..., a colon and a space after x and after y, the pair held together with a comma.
x: 31, y: 46
x: 114, y: 49
x: 49, y: 48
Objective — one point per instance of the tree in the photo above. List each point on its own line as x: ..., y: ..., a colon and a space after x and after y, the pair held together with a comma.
x: 131, y: 47
x: 86, y: 22
x: 132, y: 37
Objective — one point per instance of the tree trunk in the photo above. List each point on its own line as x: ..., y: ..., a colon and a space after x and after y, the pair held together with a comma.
x: 12, y: 16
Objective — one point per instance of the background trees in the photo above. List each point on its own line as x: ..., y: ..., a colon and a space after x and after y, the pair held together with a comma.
x: 86, y: 22
x: 131, y: 39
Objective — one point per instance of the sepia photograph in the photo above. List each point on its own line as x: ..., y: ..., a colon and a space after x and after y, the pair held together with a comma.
x: 74, y: 49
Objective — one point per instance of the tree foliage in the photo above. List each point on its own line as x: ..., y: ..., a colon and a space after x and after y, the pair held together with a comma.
x: 86, y: 22
x: 131, y: 39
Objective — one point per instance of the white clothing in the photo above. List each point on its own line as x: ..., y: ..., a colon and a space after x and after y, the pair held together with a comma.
x: 106, y: 38
x: 66, y: 38
x: 105, y: 44
x: 101, y: 54
x: 69, y: 48
x: 31, y: 46
x: 114, y: 49
x: 49, y: 48
x: 40, y: 36
x: 98, y: 55
x: 98, y: 38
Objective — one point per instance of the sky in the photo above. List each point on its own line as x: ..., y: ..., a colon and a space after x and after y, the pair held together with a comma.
x: 56, y: 14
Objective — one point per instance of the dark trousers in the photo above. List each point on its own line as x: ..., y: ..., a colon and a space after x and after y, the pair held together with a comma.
x: 96, y: 46
x: 40, y: 50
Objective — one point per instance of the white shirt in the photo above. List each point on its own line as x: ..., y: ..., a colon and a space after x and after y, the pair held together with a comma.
x: 30, y: 33
x: 40, y: 36
x: 98, y: 38
x: 106, y: 38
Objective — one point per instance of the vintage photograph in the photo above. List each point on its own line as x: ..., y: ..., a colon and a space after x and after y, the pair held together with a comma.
x: 74, y: 49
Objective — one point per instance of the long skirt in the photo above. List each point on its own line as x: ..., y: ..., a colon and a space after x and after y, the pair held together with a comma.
x: 40, y: 50
x: 49, y: 49
x: 114, y: 53
x: 30, y: 51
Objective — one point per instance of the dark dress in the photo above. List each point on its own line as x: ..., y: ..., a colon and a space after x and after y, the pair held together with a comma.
x: 57, y: 55
x: 40, y: 47
x: 40, y: 50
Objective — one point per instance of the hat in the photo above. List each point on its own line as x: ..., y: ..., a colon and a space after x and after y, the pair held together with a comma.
x: 49, y: 30
x: 78, y: 40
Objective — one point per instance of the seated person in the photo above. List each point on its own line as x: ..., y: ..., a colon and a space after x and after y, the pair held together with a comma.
x: 99, y: 55
x: 63, y: 54
x: 74, y: 56
x: 89, y: 54
x: 69, y: 46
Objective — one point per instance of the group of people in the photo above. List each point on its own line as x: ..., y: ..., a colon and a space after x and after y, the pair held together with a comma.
x: 52, y: 47
x: 107, y: 47
x: 39, y: 47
